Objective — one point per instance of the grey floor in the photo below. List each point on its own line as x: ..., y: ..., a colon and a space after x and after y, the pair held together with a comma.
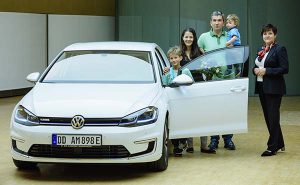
x: 242, y: 166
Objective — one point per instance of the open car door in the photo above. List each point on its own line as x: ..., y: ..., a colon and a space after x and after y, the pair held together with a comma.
x: 217, y: 102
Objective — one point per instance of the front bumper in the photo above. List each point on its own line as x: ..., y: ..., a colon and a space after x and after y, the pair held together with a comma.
x: 119, y: 144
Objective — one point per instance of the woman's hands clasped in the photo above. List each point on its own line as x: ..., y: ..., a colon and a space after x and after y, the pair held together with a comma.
x: 260, y: 71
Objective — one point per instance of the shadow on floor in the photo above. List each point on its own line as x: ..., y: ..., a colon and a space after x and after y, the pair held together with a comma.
x: 85, y: 172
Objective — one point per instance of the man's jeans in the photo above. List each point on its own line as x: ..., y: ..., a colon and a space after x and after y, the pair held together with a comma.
x: 227, y: 138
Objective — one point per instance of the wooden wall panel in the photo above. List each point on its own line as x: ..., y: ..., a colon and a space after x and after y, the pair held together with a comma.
x: 67, y: 7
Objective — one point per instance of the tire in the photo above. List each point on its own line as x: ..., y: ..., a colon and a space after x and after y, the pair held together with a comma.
x: 162, y: 163
x: 24, y: 165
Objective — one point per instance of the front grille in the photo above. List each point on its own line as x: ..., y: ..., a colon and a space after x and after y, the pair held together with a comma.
x: 54, y: 121
x: 104, y: 151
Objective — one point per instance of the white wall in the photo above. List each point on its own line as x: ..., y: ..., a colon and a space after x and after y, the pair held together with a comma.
x: 22, y: 48
x: 23, y: 41
x: 68, y: 29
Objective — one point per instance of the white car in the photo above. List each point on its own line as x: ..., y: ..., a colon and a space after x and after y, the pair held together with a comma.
x: 105, y: 102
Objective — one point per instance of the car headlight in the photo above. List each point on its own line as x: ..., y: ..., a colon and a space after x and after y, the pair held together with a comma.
x: 25, y: 117
x: 139, y: 118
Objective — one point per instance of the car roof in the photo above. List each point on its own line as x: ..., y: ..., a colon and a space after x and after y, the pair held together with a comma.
x: 112, y: 45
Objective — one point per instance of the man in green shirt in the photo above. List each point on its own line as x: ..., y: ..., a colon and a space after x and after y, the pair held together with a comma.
x: 217, y: 37
x: 214, y: 39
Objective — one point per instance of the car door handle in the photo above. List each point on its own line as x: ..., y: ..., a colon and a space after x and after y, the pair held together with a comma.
x: 238, y: 89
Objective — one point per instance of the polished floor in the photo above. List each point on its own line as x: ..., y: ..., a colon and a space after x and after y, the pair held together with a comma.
x: 242, y: 166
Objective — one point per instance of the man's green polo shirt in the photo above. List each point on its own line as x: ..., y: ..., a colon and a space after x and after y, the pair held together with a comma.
x: 210, y: 41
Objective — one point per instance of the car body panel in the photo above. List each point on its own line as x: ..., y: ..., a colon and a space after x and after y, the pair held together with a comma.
x: 205, y: 109
x: 88, y: 100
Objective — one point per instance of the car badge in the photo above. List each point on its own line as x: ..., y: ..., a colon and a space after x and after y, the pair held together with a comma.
x: 77, y: 122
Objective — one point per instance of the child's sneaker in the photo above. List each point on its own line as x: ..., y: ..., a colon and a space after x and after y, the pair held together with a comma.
x: 177, y: 152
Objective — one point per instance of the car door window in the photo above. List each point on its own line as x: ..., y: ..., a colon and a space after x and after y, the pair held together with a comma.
x: 163, y: 57
x: 160, y: 66
x: 160, y: 63
x: 221, y: 64
x: 163, y: 62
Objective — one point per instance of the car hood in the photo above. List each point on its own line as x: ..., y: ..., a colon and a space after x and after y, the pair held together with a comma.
x: 88, y: 100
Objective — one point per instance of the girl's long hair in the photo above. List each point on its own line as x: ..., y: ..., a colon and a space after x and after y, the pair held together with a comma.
x: 195, y: 51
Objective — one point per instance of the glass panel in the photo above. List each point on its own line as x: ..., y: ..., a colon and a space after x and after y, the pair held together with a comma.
x: 226, y: 63
x: 102, y: 67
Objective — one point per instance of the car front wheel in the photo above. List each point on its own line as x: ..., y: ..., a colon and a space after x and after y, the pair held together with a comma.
x: 162, y: 163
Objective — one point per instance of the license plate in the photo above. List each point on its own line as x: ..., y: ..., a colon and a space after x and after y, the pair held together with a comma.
x: 76, y: 140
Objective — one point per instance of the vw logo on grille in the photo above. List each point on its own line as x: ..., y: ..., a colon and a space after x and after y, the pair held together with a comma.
x: 77, y: 122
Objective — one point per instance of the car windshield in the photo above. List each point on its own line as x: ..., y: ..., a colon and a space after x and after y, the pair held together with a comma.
x: 101, y: 67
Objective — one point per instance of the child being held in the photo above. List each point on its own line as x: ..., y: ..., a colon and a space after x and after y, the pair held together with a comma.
x: 233, y: 34
x: 233, y: 39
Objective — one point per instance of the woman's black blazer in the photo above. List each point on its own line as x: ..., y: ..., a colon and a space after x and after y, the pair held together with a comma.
x: 276, y: 65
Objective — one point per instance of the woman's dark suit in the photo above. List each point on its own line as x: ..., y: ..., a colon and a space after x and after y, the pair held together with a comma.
x: 271, y: 91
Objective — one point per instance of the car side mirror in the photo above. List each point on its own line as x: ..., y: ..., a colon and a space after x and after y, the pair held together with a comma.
x: 33, y: 77
x: 182, y: 80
